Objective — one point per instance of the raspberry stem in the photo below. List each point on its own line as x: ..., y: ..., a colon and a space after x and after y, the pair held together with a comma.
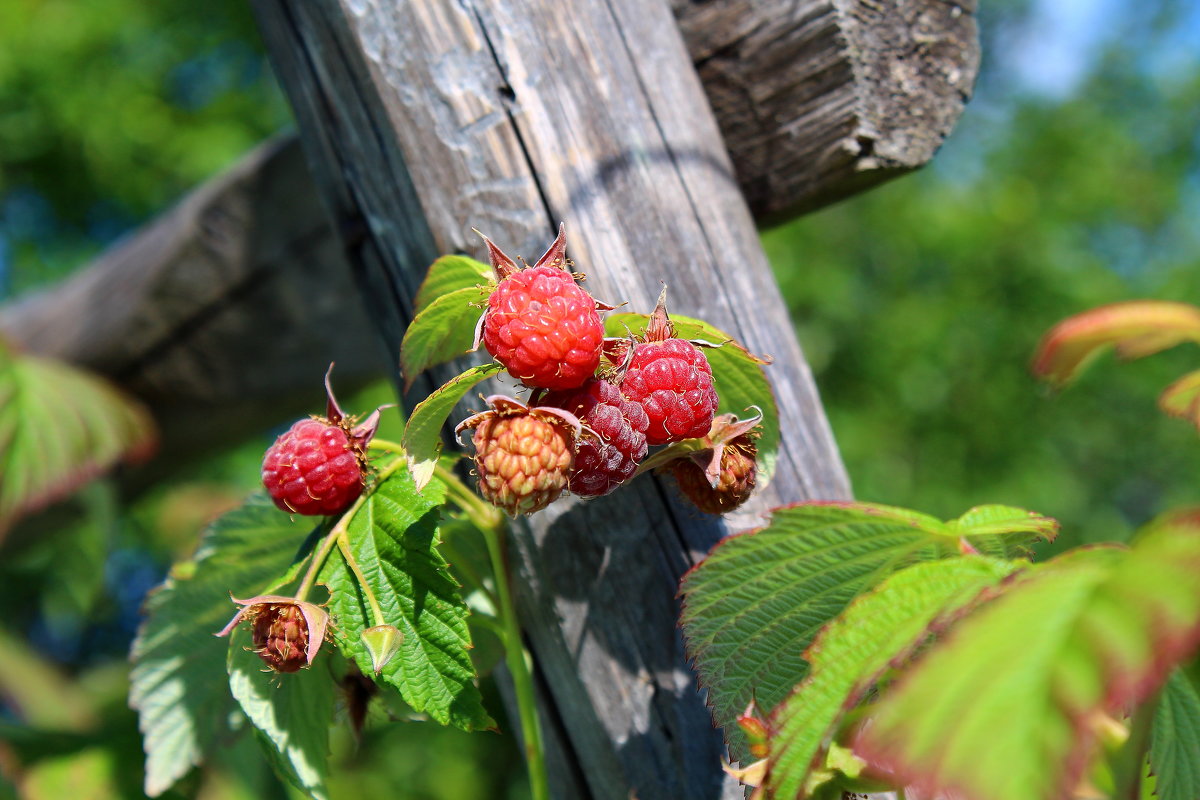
x: 490, y: 523
x: 338, y: 530
x: 343, y: 543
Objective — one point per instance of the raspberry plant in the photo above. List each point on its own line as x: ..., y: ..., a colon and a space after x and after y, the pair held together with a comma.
x: 846, y: 646
x: 362, y: 591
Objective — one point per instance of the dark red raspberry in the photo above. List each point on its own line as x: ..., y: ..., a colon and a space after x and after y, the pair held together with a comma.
x: 286, y: 633
x: 313, y: 469
x: 522, y: 455
x: 539, y: 324
x: 614, y: 437
x: 673, y: 382
x: 720, y: 476
x: 739, y: 470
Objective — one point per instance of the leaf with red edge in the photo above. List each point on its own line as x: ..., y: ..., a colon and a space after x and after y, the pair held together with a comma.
x: 1182, y: 398
x: 59, y: 428
x: 851, y: 652
x: 1005, y: 707
x: 756, y: 602
x: 1137, y: 328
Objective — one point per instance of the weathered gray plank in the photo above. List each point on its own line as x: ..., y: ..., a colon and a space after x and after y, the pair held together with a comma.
x: 428, y: 118
x: 222, y: 314
x: 820, y: 99
x: 815, y: 99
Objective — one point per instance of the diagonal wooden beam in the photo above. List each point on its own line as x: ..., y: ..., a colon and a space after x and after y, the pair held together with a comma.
x: 423, y: 119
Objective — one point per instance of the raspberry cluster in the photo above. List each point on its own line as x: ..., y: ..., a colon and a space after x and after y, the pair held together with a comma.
x: 596, y: 404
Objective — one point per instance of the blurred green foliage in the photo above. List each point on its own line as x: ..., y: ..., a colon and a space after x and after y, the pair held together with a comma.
x: 918, y: 304
x: 109, y: 110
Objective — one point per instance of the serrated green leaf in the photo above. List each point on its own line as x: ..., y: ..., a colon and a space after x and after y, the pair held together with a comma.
x: 855, y: 648
x: 738, y: 376
x: 291, y: 713
x: 1137, y: 328
x: 1003, y: 708
x: 1004, y: 531
x: 179, y: 685
x: 59, y: 428
x: 756, y: 602
x: 1175, y: 742
x: 442, y: 332
x: 394, y: 538
x: 423, y: 433
x: 450, y: 274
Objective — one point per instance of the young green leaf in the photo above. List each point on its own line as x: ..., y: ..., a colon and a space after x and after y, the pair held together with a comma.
x: 443, y: 331
x: 394, y: 538
x: 1182, y: 398
x: 850, y: 653
x: 178, y: 682
x: 1004, y: 531
x: 291, y: 713
x: 59, y: 428
x: 450, y: 274
x: 423, y: 433
x: 738, y: 376
x: 1003, y: 709
x: 758, y: 600
x: 1175, y: 742
x: 1136, y: 329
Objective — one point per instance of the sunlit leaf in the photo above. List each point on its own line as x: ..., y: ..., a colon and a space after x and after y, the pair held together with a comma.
x: 423, y: 433
x: 59, y: 428
x: 757, y: 601
x: 1004, y: 531
x: 394, y: 538
x: 1004, y: 708
x: 1137, y: 328
x: 451, y: 274
x: 852, y: 650
x: 291, y: 713
x: 178, y: 683
x: 1175, y: 742
x: 443, y: 331
x: 738, y: 376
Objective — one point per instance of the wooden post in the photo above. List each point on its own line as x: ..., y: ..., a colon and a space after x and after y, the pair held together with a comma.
x: 799, y: 90
x: 424, y: 119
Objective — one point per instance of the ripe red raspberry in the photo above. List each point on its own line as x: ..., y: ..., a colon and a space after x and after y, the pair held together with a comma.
x: 539, y: 324
x: 614, y: 437
x: 522, y: 454
x: 313, y: 469
x: 318, y: 466
x: 286, y: 633
x: 673, y: 382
